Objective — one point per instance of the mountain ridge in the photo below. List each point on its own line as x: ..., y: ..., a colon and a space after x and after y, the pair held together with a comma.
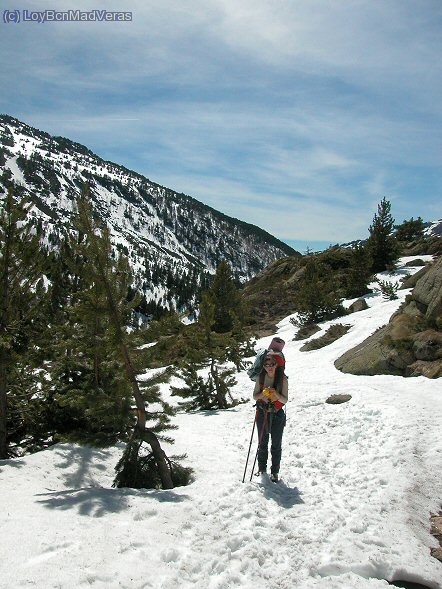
x: 168, y: 236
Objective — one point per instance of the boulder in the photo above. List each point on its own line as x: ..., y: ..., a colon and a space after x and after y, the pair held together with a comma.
x: 373, y: 356
x: 359, y: 305
x: 437, y: 553
x: 415, y: 263
x: 436, y: 530
x: 428, y: 291
x: 338, y: 399
x: 411, y: 343
x: 422, y: 368
x: 410, y: 281
x: 428, y: 345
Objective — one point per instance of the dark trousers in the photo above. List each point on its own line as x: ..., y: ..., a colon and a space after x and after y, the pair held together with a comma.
x: 270, y: 424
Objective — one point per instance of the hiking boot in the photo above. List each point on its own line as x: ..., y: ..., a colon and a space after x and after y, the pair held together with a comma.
x: 274, y: 477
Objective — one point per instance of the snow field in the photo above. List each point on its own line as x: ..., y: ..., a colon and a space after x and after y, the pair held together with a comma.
x: 359, y: 481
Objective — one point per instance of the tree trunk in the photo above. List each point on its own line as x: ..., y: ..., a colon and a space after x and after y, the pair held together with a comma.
x: 219, y: 395
x: 160, y: 458
x: 144, y: 433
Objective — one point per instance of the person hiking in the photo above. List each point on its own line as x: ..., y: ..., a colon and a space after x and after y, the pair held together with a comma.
x: 271, y: 394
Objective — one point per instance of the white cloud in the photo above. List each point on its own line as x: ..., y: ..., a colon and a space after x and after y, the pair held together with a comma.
x: 321, y: 107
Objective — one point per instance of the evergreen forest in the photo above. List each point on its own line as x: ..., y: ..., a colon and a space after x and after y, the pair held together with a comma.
x: 72, y: 353
x: 77, y: 335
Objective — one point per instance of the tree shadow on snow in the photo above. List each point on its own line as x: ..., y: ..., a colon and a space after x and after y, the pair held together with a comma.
x: 12, y: 462
x: 285, y: 496
x: 99, y: 501
x: 212, y: 412
x: 81, y: 468
x: 84, y: 460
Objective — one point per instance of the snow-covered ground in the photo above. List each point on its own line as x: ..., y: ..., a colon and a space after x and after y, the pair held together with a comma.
x: 359, y: 481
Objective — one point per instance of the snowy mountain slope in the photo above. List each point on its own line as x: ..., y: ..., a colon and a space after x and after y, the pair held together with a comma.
x: 156, y: 227
x: 359, y: 481
x: 434, y: 229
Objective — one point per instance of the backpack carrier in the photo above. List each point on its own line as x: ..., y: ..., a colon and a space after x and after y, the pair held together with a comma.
x: 277, y: 345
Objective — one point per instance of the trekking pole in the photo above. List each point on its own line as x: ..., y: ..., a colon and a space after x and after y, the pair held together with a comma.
x: 250, y: 445
x: 264, y: 424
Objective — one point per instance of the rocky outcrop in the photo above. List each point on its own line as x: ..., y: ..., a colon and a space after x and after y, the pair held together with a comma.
x: 411, y: 343
x: 436, y: 530
x: 428, y: 292
x: 411, y: 281
x: 431, y: 245
x: 270, y: 294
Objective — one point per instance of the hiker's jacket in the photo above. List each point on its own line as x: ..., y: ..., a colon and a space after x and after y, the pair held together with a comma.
x: 268, y: 383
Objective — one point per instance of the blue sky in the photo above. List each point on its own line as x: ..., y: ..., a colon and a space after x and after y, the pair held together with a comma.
x: 296, y: 115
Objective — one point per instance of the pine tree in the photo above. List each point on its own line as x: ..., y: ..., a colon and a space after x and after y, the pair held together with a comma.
x: 229, y: 314
x: 21, y: 294
x: 113, y: 281
x: 359, y: 272
x: 225, y: 297
x: 137, y: 465
x: 381, y: 244
x: 208, y: 352
x: 218, y: 337
x: 88, y: 376
x: 410, y: 230
x: 317, y: 298
x: 241, y: 345
x: 197, y: 391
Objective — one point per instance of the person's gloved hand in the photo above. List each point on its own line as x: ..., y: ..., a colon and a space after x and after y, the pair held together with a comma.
x: 270, y: 394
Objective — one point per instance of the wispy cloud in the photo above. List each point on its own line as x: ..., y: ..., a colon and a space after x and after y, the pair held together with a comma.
x: 296, y: 115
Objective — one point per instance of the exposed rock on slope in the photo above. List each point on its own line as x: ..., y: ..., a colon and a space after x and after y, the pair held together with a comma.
x: 270, y: 294
x: 411, y: 343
